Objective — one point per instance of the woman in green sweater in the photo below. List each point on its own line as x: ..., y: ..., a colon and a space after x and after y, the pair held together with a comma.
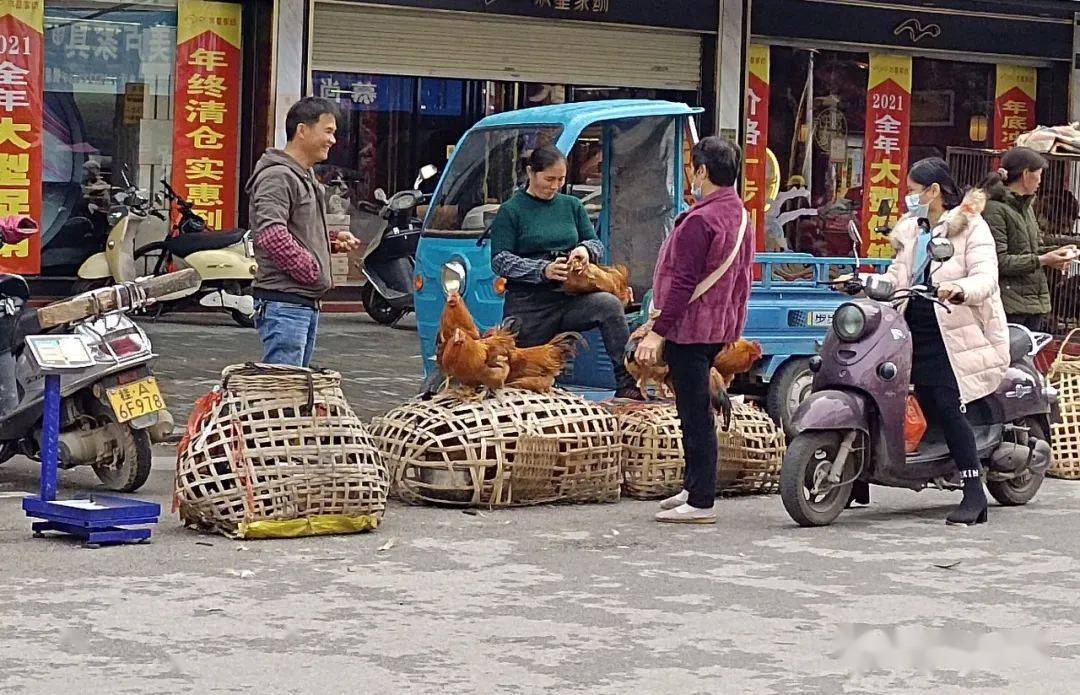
x: 536, y: 234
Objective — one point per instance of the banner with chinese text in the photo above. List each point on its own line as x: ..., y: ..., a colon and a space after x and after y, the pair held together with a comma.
x: 755, y: 187
x: 1014, y: 104
x: 22, y: 73
x: 206, y: 127
x: 888, y: 121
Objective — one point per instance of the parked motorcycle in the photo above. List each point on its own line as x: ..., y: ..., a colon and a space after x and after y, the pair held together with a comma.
x: 851, y: 428
x: 225, y: 262
x: 116, y: 263
x: 112, y: 412
x: 390, y: 258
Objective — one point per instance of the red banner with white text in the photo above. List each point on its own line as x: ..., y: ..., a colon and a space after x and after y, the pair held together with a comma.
x: 1014, y: 104
x: 22, y: 75
x: 755, y: 186
x: 206, y: 116
x: 888, y: 124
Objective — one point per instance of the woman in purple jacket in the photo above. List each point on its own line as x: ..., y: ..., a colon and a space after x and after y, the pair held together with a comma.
x: 691, y: 331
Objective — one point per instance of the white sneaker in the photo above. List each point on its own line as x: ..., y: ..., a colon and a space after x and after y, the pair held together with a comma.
x: 675, y: 500
x: 685, y: 514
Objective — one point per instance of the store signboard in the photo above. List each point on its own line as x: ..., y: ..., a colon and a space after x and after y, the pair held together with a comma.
x: 206, y: 115
x: 888, y: 122
x: 22, y: 73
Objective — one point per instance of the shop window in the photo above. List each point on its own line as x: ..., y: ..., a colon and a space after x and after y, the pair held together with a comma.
x: 108, y: 106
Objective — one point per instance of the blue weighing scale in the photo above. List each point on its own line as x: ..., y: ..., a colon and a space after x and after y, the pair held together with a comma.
x: 96, y: 519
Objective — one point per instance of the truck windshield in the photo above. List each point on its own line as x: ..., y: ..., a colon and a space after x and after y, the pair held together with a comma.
x: 487, y: 168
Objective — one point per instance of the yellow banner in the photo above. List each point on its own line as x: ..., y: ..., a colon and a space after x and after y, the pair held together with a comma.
x: 29, y: 12
x: 1015, y: 77
x: 759, y: 62
x: 195, y: 17
x: 887, y: 66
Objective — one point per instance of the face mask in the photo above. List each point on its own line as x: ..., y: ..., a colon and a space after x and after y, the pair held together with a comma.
x: 915, y: 207
x: 695, y: 190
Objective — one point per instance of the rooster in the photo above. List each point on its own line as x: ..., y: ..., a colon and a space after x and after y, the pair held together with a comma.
x: 472, y: 362
x: 737, y: 358
x: 535, y: 368
x: 585, y: 278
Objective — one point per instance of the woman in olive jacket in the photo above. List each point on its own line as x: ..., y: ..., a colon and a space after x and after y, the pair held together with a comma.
x: 1021, y: 253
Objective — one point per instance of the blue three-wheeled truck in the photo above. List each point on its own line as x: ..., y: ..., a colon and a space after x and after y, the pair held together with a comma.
x: 627, y: 161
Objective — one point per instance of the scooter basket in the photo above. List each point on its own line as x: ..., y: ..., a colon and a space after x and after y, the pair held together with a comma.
x: 513, y: 448
x: 277, y: 451
x: 1064, y: 375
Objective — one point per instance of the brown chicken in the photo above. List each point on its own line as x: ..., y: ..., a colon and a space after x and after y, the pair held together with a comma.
x: 584, y: 279
x: 535, y: 368
x: 456, y: 315
x: 737, y: 358
x: 645, y: 375
x: 473, y: 362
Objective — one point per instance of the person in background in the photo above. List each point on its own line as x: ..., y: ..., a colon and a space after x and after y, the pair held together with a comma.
x: 710, y: 254
x: 534, y: 237
x: 959, y: 354
x: 1021, y: 254
x: 292, y: 241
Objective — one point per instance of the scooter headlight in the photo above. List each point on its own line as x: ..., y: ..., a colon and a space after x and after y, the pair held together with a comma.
x: 453, y: 277
x: 849, y: 322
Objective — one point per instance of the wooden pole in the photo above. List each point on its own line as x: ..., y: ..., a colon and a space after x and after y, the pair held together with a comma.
x: 117, y: 297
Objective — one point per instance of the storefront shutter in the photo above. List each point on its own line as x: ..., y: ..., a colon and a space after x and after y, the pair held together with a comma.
x: 365, y: 39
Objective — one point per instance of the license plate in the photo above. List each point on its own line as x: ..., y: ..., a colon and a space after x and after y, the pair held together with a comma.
x: 819, y: 318
x: 136, y: 399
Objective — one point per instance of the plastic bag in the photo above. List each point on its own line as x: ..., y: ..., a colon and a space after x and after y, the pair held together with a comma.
x: 914, y: 425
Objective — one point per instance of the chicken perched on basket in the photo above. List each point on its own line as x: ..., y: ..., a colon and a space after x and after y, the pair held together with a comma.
x: 470, y: 360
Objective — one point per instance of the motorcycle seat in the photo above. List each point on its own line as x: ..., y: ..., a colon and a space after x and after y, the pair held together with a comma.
x: 187, y: 244
x: 1020, y: 343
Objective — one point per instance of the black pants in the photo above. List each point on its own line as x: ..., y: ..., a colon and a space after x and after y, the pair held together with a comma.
x: 690, y: 366
x: 544, y: 313
x: 1033, y: 322
x: 941, y: 405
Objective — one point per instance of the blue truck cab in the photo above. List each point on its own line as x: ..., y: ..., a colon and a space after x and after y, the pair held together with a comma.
x: 628, y: 162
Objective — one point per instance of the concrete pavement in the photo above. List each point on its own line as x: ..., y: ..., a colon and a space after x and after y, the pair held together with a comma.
x: 594, y: 599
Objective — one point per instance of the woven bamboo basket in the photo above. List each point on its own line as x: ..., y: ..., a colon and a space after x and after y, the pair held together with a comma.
x: 277, y: 451
x: 1064, y: 375
x: 512, y: 448
x: 748, y: 460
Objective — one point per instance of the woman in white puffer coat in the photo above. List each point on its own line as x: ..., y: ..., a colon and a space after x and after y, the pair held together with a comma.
x: 959, y: 355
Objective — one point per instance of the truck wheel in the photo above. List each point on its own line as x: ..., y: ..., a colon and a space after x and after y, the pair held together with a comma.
x: 789, y: 387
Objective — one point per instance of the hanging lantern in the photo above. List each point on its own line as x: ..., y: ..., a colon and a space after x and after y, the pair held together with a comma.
x: 979, y: 128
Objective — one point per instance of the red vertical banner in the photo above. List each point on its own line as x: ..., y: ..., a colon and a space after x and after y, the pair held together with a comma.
x: 888, y: 124
x: 1014, y: 104
x: 22, y: 85
x: 206, y: 113
x: 757, y: 142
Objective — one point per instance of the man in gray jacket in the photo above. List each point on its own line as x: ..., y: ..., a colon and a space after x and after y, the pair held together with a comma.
x: 292, y: 241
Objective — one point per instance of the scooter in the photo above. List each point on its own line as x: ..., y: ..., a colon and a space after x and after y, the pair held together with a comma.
x: 225, y: 262
x: 116, y: 263
x: 390, y: 259
x: 111, y: 413
x: 851, y: 428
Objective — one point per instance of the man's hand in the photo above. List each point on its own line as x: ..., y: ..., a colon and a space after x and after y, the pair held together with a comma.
x: 648, y: 350
x: 580, y: 254
x: 558, y: 270
x: 345, y: 242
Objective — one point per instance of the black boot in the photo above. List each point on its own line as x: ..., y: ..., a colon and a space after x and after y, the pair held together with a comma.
x: 972, y: 509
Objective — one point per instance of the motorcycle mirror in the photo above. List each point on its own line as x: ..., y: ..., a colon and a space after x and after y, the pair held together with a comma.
x: 853, y: 232
x: 941, y: 250
x: 427, y: 171
x: 885, y: 208
x: 380, y: 195
x: 878, y: 288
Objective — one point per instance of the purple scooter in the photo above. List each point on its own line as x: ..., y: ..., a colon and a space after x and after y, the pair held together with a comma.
x: 850, y: 429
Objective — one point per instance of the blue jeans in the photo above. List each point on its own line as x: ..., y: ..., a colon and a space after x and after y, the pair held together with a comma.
x: 287, y: 332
